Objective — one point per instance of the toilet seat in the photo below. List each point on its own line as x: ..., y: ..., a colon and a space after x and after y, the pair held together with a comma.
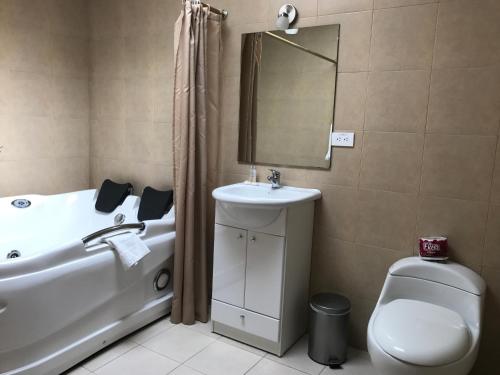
x: 421, y: 333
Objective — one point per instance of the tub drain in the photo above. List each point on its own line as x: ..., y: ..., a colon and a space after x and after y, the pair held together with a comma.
x: 13, y: 254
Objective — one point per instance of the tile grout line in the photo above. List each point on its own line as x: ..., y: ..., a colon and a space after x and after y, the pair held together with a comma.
x: 106, y: 349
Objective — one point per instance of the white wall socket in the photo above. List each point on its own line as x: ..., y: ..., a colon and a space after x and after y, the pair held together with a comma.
x: 342, y: 139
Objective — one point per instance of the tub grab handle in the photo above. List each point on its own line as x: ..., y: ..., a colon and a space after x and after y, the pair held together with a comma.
x: 141, y: 226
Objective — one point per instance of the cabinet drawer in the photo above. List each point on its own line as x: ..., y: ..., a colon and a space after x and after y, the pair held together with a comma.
x: 247, y: 321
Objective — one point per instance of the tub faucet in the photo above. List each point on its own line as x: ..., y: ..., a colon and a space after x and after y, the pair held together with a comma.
x: 274, y: 179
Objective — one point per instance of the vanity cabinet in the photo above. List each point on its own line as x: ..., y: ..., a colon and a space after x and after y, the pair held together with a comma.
x: 261, y: 274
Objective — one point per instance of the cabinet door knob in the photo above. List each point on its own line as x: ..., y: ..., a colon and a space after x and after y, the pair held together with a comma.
x: 242, y: 316
x: 253, y: 238
x: 240, y: 236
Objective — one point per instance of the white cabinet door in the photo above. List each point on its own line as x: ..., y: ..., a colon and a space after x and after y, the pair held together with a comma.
x: 229, y: 265
x: 264, y: 273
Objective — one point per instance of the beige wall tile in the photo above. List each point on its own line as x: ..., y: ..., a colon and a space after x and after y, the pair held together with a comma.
x: 107, y: 98
x: 163, y: 99
x: 138, y: 17
x: 445, y: 217
x: 28, y: 94
x: 138, y: 98
x: 28, y: 50
x: 335, y: 263
x: 392, y: 161
x: 387, y: 220
x: 397, y: 101
x: 4, y: 94
x: 400, y: 3
x: 403, y: 37
x: 27, y: 14
x: 106, y: 18
x: 492, y: 249
x: 491, y: 329
x: 107, y: 139
x: 343, y: 6
x: 337, y: 212
x: 69, y: 17
x: 345, y: 165
x: 458, y: 166
x: 495, y: 193
x: 107, y: 58
x: 467, y: 34
x: 464, y: 101
x: 70, y: 56
x: 70, y: 98
x: 163, y: 50
x: 354, y: 42
x: 139, y: 56
x: 350, y: 101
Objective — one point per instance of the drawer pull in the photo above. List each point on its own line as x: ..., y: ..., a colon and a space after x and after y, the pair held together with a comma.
x: 253, y: 238
x: 242, y: 317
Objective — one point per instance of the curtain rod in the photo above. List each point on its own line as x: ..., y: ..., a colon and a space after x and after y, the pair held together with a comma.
x: 222, y: 12
x: 298, y: 46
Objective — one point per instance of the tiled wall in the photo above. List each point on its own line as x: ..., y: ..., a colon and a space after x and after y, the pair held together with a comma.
x: 131, y: 91
x: 44, y: 101
x: 419, y: 83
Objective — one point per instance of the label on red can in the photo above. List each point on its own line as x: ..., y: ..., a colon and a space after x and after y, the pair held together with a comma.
x: 434, y: 248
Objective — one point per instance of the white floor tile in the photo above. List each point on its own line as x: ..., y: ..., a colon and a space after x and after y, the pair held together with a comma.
x: 298, y: 358
x: 268, y: 367
x: 220, y: 358
x: 205, y: 328
x: 358, y: 363
x: 243, y: 346
x: 184, y: 370
x: 107, y: 355
x: 138, y: 361
x: 144, y: 334
x: 179, y: 343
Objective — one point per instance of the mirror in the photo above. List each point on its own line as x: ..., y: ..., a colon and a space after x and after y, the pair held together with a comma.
x: 287, y: 97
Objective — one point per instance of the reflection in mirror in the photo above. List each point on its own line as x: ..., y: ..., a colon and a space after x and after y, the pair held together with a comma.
x: 287, y: 97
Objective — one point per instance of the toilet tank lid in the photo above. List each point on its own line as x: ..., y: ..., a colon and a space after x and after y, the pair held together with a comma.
x: 444, y: 272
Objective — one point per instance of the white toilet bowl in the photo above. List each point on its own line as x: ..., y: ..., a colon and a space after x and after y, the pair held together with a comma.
x: 427, y: 320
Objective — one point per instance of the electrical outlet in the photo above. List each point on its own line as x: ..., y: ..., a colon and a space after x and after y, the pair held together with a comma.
x: 343, y: 139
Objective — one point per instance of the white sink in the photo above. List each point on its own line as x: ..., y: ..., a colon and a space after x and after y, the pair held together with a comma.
x: 263, y: 196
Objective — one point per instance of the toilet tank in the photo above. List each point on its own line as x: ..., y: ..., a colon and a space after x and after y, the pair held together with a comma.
x: 443, y: 272
x: 446, y: 284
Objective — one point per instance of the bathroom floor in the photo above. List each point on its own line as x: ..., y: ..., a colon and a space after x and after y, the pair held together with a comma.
x: 164, y: 348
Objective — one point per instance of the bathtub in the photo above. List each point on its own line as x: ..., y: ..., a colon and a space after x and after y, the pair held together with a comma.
x: 62, y: 300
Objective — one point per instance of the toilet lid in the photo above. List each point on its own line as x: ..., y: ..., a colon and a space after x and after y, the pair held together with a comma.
x: 421, y: 333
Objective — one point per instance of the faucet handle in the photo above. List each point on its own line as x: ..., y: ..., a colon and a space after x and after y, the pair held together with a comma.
x: 275, y: 173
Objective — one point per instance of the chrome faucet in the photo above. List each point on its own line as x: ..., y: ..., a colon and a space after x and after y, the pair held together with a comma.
x: 274, y: 179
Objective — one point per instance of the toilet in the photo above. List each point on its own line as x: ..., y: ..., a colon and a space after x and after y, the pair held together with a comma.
x: 427, y: 320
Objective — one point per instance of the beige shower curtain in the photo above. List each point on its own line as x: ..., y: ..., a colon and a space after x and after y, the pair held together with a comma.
x: 195, y: 143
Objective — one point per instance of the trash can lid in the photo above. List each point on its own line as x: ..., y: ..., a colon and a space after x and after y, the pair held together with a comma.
x: 330, y: 303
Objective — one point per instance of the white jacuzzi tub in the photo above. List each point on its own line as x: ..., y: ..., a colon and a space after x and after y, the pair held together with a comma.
x: 61, y: 300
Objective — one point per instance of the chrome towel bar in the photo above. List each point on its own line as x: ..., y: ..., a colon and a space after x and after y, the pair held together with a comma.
x: 141, y: 226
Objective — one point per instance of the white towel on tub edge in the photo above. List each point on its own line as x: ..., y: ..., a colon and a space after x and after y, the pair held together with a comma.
x: 130, y: 248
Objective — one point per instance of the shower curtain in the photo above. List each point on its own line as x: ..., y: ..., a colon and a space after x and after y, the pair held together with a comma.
x: 195, y: 143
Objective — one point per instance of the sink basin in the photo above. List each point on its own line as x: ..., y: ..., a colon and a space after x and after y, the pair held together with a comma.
x: 262, y: 196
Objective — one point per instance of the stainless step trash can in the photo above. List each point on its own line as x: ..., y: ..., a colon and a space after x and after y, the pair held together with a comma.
x: 328, y: 328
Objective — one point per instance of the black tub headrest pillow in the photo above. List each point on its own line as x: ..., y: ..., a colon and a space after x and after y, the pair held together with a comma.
x: 111, y: 195
x: 154, y: 203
